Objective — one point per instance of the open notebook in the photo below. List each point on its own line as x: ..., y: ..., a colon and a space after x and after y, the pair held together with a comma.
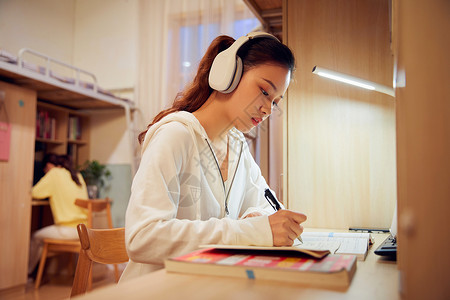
x: 318, y: 244
x: 353, y: 243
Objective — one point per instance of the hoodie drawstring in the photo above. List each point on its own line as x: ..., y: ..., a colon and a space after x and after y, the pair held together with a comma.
x: 221, y: 177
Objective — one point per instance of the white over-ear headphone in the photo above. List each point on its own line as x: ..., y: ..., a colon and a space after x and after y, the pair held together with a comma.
x: 226, y: 69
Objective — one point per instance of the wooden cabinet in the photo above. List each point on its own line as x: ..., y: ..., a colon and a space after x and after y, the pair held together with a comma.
x: 16, y: 177
x: 62, y: 131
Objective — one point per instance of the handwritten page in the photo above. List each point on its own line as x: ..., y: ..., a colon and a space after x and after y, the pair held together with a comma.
x: 355, y: 243
x: 355, y: 246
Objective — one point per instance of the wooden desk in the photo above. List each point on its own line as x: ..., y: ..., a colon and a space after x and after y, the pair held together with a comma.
x: 36, y: 202
x: 41, y: 214
x: 375, y: 278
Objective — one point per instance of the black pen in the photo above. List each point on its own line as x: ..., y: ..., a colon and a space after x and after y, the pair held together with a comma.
x: 275, y: 205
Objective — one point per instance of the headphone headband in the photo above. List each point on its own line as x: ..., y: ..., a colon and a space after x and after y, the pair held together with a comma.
x: 226, y: 69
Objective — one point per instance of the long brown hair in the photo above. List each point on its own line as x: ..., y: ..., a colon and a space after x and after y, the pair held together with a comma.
x: 66, y: 162
x: 253, y: 53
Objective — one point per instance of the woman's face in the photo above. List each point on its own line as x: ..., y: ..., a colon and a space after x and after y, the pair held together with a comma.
x: 261, y: 89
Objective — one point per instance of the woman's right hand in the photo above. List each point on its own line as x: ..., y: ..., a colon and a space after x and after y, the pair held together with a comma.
x: 285, y: 225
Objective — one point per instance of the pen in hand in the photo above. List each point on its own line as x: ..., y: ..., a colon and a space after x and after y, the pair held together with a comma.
x: 276, y: 206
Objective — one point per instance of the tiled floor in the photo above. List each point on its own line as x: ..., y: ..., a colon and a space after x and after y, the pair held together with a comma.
x: 59, y: 287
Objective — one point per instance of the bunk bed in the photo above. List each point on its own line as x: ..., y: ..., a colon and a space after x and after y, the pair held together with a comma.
x: 53, y: 86
x: 56, y: 89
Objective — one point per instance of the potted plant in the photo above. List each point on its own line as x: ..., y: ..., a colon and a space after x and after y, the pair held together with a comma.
x: 94, y: 174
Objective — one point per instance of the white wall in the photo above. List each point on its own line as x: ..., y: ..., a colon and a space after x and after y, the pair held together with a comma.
x: 105, y: 43
x: 46, y: 26
x: 105, y: 40
x: 109, y: 141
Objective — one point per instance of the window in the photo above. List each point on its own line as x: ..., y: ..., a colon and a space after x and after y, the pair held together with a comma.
x: 194, y: 39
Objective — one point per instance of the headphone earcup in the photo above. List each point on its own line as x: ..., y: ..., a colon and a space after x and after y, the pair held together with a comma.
x: 237, y: 76
x: 222, y: 71
x: 226, y: 69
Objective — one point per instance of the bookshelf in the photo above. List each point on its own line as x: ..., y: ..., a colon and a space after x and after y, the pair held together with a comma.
x: 62, y: 131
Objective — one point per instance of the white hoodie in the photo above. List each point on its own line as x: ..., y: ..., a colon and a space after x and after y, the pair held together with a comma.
x: 179, y: 201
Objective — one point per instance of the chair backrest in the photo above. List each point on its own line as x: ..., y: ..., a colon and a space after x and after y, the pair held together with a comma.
x: 106, y: 246
x: 96, y: 205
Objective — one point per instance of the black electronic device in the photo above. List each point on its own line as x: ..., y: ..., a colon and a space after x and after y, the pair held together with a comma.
x: 388, y: 247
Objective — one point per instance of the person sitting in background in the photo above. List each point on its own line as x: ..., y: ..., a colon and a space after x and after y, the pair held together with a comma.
x: 62, y: 185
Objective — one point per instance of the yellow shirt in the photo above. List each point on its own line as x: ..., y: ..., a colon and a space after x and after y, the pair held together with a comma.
x: 58, y: 186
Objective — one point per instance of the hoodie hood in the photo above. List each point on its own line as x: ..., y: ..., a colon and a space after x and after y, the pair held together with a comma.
x: 191, y: 123
x: 183, y: 117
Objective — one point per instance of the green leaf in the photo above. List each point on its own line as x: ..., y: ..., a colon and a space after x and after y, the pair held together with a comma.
x: 94, y: 173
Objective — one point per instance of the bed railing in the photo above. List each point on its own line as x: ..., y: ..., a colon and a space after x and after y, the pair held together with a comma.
x: 48, y: 71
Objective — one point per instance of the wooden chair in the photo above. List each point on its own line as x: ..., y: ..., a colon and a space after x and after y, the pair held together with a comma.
x: 93, y: 206
x: 54, y: 246
x: 96, y: 205
x: 106, y: 246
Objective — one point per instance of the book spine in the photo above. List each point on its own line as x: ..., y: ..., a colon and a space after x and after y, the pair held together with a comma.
x: 53, y: 129
x: 47, y: 126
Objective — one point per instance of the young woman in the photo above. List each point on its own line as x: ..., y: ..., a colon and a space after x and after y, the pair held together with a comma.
x: 197, y: 182
x: 62, y: 185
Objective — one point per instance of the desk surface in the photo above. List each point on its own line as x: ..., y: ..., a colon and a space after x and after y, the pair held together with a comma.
x: 375, y: 278
x: 39, y: 202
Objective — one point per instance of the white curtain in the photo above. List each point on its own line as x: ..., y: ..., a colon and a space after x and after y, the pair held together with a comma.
x: 173, y: 36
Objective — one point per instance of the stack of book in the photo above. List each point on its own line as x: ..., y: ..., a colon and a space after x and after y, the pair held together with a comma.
x: 330, y: 271
x: 325, y: 260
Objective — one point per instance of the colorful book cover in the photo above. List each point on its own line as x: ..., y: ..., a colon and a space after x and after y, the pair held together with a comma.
x: 331, y: 271
x: 330, y: 263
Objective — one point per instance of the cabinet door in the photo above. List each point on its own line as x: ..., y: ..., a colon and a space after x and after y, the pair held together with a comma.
x: 16, y: 177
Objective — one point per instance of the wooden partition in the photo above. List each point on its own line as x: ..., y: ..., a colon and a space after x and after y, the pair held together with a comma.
x: 422, y: 47
x: 339, y: 149
x: 16, y: 178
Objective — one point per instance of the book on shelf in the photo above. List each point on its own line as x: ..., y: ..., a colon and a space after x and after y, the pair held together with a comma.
x: 284, y: 265
x: 74, y: 129
x: 45, y: 125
